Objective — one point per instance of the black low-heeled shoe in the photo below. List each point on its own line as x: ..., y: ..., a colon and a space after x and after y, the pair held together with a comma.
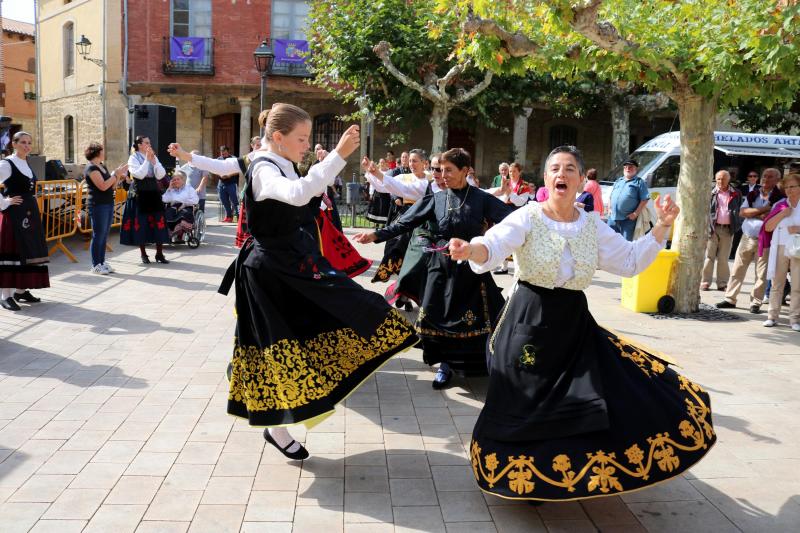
x: 298, y: 455
x: 161, y: 259
x: 26, y: 297
x: 10, y: 304
x: 145, y: 260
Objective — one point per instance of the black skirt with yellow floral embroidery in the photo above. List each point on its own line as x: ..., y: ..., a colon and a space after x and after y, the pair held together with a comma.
x: 306, y: 334
x: 574, y: 411
x: 393, y: 251
x: 457, y: 313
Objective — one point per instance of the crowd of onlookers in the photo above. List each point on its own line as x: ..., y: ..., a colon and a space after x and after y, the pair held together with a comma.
x: 763, y: 211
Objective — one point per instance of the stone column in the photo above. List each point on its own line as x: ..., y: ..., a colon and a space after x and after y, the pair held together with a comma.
x: 521, y: 136
x: 245, y: 122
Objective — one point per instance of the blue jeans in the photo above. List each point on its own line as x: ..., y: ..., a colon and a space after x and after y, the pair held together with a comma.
x: 625, y: 226
x: 102, y: 215
x: 228, y: 197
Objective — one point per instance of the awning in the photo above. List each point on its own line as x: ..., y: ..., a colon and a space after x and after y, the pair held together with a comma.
x: 766, y: 151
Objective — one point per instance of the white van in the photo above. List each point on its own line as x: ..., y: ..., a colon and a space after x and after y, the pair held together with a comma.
x: 660, y: 159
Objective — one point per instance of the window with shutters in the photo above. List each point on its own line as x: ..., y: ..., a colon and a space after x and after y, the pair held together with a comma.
x: 69, y: 49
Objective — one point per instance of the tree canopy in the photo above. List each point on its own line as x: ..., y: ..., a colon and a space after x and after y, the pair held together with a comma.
x: 703, y: 54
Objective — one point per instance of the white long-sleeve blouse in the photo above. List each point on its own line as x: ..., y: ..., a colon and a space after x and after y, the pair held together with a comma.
x: 186, y: 196
x: 139, y: 167
x: 267, y: 182
x: 615, y: 254
x: 411, y: 190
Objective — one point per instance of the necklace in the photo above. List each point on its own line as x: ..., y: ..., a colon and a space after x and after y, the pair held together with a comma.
x: 462, y: 202
x: 573, y: 216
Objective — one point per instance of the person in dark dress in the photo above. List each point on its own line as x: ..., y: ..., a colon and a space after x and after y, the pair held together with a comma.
x: 459, y: 308
x: 143, y: 220
x: 23, y: 248
x: 306, y: 334
x: 573, y: 410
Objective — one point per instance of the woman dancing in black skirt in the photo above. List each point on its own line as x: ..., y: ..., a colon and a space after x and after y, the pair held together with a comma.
x: 572, y: 410
x: 459, y: 308
x: 306, y: 334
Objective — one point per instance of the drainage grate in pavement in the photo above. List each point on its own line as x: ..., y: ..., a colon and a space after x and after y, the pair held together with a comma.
x: 706, y: 313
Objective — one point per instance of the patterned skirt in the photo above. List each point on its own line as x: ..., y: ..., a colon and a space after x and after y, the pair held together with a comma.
x: 458, y: 311
x: 337, y: 249
x: 306, y: 335
x: 393, y: 251
x: 574, y: 411
x: 23, y: 263
x: 143, y: 222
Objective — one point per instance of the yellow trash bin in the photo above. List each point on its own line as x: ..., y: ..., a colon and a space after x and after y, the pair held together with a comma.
x: 642, y: 292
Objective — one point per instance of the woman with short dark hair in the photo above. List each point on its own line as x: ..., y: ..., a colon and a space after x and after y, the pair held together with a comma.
x: 573, y: 410
x: 101, y: 185
x: 459, y: 308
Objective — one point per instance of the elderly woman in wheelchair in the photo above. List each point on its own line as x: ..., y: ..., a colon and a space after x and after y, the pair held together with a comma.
x: 181, y: 203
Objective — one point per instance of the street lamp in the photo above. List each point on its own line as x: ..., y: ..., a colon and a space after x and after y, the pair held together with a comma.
x: 264, y: 56
x: 85, y: 48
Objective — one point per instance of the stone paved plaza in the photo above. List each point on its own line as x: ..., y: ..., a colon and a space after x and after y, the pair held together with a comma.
x: 112, y: 419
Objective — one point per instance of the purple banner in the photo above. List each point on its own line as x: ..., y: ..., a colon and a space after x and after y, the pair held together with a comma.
x: 187, y: 48
x: 290, y: 51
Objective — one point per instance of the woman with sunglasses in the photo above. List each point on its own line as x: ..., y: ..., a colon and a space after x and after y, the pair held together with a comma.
x: 458, y: 307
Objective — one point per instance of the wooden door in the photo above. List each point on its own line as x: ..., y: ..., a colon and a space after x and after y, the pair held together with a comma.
x: 226, y: 131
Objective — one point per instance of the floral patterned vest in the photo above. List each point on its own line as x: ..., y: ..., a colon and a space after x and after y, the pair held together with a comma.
x: 538, y: 259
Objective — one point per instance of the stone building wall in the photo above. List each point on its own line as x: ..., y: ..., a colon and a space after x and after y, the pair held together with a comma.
x: 86, y: 109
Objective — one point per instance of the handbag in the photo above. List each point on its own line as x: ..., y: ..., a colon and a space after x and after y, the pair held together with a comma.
x: 793, y: 246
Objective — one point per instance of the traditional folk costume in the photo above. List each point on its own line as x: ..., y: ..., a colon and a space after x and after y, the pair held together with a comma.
x: 405, y: 188
x: 459, y: 308
x: 409, y: 188
x: 573, y: 410
x: 143, y: 220
x: 306, y: 334
x: 378, y: 208
x: 23, y: 249
x: 520, y: 194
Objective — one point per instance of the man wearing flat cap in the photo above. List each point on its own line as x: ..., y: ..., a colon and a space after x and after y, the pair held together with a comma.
x: 628, y: 197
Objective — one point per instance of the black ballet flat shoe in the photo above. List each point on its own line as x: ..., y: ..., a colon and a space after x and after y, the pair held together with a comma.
x: 409, y: 307
x: 299, y: 455
x: 10, y: 304
x: 442, y: 379
x: 145, y: 260
x: 161, y: 259
x: 26, y: 297
x: 534, y: 503
x: 229, y: 371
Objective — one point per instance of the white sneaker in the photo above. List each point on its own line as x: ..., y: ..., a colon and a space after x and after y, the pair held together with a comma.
x: 108, y: 268
x: 796, y: 326
x: 769, y: 323
x: 99, y: 269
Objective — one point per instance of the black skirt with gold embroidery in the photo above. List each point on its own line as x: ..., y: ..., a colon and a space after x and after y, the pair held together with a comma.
x: 458, y: 312
x: 306, y: 334
x: 393, y: 251
x: 574, y: 411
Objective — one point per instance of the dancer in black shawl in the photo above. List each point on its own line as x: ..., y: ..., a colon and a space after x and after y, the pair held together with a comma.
x: 459, y: 308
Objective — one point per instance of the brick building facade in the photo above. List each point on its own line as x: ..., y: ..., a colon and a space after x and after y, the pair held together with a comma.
x: 18, y: 60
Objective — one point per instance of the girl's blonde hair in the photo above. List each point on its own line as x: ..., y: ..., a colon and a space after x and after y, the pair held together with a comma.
x: 282, y: 118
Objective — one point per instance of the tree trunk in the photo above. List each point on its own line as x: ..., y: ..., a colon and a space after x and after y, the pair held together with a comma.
x: 621, y: 133
x: 694, y: 187
x: 439, y: 126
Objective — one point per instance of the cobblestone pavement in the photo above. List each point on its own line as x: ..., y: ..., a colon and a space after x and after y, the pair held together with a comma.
x: 112, y: 418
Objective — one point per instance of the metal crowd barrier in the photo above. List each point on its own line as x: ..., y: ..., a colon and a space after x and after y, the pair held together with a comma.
x: 60, y: 204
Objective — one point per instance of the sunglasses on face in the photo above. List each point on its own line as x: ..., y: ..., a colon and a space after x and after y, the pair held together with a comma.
x: 436, y: 169
x: 752, y: 175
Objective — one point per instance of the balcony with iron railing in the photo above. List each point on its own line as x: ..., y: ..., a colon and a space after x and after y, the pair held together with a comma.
x: 282, y: 68
x: 186, y: 61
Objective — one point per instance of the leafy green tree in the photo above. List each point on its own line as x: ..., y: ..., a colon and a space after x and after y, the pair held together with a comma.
x: 705, y: 55
x: 754, y: 116
x: 397, y: 59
